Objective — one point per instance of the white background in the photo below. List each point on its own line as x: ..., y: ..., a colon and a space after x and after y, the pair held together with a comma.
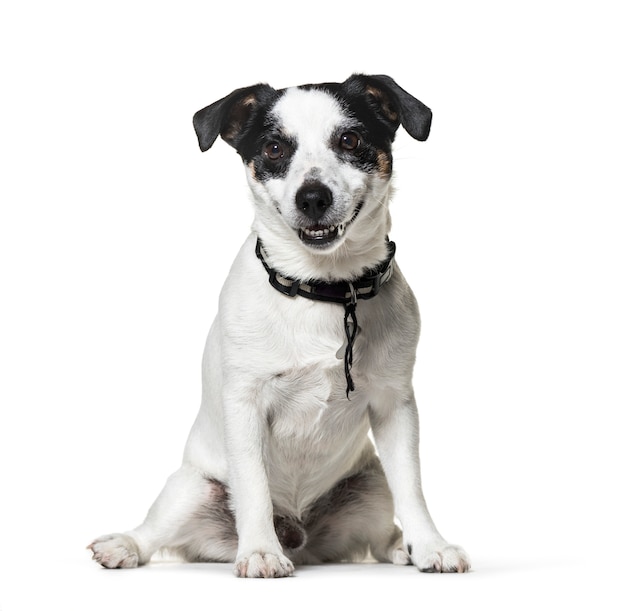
x: 116, y: 235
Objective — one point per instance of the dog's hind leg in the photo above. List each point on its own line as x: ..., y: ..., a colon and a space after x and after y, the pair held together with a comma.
x: 390, y: 549
x: 183, y: 496
x: 354, y: 518
x: 211, y: 533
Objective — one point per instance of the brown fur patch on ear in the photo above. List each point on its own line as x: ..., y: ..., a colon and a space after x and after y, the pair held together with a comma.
x: 252, y: 170
x: 383, y: 101
x: 238, y: 116
x: 383, y: 160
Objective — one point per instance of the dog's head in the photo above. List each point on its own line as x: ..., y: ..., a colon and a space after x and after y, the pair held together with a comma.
x: 318, y: 161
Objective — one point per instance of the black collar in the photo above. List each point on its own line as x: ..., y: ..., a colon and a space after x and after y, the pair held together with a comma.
x: 345, y: 292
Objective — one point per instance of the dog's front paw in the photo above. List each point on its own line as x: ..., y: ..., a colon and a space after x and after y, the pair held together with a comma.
x: 441, y: 559
x: 115, y: 551
x: 259, y: 564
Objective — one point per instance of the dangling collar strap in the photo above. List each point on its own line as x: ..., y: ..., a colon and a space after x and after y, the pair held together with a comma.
x: 345, y: 292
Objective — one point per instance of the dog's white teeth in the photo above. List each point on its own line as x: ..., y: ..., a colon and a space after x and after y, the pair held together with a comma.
x: 319, y: 233
x: 341, y: 228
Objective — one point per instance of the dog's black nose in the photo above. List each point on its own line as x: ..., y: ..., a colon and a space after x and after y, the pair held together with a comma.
x: 313, y: 199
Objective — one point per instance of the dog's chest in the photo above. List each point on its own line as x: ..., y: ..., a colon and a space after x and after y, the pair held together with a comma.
x: 306, y: 393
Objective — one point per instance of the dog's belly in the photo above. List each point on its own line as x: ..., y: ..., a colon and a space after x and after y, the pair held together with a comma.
x: 315, y: 436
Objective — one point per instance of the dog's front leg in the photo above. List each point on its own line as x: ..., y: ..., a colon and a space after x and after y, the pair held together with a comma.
x: 395, y: 427
x: 259, y: 552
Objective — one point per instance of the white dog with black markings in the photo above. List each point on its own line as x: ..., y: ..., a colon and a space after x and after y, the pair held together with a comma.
x: 313, y: 347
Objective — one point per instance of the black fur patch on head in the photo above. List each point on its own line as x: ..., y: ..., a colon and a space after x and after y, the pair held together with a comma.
x: 374, y: 127
x: 366, y: 155
x: 261, y: 143
x: 378, y: 106
x: 375, y: 106
x: 375, y: 134
x: 269, y: 151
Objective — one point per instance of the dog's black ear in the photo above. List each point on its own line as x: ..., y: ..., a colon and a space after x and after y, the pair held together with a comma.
x: 396, y: 105
x: 229, y: 116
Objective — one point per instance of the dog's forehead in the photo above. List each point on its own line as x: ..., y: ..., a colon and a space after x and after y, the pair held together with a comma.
x: 301, y: 111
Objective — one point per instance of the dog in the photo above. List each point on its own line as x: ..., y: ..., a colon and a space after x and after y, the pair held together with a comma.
x: 310, y: 356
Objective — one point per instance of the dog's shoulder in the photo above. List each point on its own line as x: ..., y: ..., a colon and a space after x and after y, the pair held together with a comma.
x: 286, y: 332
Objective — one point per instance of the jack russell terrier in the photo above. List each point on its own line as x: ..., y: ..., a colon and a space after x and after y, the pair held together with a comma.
x: 312, y: 350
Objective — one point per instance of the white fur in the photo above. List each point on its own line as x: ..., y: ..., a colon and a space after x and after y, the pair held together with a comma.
x: 275, y: 426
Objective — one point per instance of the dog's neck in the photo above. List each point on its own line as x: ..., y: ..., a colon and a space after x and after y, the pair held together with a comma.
x: 285, y: 253
x: 343, y: 291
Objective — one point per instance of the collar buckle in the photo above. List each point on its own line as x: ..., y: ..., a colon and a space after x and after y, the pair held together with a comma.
x: 293, y: 291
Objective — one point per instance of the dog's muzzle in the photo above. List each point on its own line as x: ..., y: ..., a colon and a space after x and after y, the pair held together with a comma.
x: 321, y: 235
x: 314, y: 199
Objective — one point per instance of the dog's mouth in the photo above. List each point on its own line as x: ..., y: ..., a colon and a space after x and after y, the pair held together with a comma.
x: 323, y: 235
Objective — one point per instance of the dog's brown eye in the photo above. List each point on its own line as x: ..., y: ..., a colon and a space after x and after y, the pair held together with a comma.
x: 274, y: 151
x: 349, y: 141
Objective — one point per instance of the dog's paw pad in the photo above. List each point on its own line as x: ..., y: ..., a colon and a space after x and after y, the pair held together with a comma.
x: 115, y: 551
x: 447, y: 559
x: 263, y: 565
